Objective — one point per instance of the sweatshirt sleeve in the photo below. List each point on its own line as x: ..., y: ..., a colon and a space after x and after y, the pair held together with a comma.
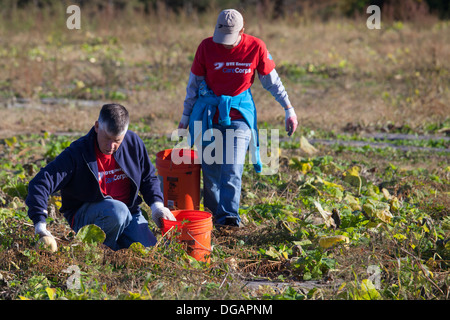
x: 47, y: 181
x: 191, y: 93
x: 272, y: 83
x: 150, y: 186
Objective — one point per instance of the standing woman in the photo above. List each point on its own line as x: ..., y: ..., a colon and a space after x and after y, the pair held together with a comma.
x: 218, y: 95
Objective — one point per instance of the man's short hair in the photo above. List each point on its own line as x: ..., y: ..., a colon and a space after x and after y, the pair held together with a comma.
x: 114, y: 119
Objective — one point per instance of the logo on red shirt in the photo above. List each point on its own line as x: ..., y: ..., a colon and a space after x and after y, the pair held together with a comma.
x: 218, y: 65
x: 111, y: 178
x: 234, y: 67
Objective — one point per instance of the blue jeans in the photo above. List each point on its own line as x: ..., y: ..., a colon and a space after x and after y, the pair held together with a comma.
x: 222, y: 175
x: 121, y: 227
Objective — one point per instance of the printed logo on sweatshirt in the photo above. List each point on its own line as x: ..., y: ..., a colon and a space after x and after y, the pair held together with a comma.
x: 218, y: 65
x: 112, y: 175
x: 234, y: 67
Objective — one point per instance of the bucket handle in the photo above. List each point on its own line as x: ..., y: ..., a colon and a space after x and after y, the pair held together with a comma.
x: 189, y: 234
x: 171, y: 162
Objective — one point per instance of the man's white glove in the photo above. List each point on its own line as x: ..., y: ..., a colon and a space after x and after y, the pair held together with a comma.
x: 160, y: 212
x: 40, y: 228
x: 290, y: 120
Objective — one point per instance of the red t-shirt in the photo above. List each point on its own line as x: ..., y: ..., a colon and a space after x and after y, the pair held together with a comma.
x: 111, y: 178
x: 232, y: 71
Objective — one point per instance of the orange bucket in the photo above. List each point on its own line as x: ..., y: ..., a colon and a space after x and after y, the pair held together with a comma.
x: 195, y: 231
x: 180, y: 182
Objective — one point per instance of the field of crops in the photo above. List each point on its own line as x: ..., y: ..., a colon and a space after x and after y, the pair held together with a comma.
x: 344, y: 218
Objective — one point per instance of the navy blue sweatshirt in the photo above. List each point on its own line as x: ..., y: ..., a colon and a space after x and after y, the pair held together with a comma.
x: 74, y: 172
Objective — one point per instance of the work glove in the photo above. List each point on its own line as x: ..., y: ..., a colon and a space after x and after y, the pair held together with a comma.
x: 290, y: 120
x: 40, y: 228
x: 184, y: 122
x: 160, y: 212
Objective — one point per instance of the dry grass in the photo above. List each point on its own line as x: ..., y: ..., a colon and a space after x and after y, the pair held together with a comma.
x: 351, y: 74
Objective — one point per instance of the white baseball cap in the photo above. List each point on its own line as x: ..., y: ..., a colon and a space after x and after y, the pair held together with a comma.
x: 229, y: 23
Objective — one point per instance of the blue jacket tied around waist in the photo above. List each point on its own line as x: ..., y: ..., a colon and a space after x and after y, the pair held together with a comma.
x: 205, y: 108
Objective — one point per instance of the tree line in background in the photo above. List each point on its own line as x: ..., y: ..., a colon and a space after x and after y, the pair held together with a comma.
x: 405, y: 10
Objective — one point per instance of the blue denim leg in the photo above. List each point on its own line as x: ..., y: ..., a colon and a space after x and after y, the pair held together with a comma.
x: 137, y: 231
x: 222, y: 181
x: 211, y: 186
x: 120, y: 226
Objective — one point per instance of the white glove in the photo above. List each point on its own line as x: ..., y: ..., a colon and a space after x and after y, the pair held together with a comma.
x: 40, y: 228
x: 184, y: 122
x: 290, y: 120
x: 160, y: 212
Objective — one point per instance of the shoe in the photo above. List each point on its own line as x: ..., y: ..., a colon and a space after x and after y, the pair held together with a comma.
x: 230, y: 223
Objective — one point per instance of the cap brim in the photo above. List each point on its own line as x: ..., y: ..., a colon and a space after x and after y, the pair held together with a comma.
x: 225, y: 38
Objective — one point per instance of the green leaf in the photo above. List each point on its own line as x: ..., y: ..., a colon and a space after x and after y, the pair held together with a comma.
x: 378, y: 209
x: 272, y: 253
x: 352, y: 177
x: 368, y: 291
x: 11, y: 141
x: 306, y: 147
x: 193, y: 262
x: 304, y: 166
x: 307, y: 276
x: 352, y: 202
x: 91, y: 234
x: 18, y: 189
x: 302, y: 242
x: 132, y: 296
x: 139, y: 248
x: 51, y: 293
